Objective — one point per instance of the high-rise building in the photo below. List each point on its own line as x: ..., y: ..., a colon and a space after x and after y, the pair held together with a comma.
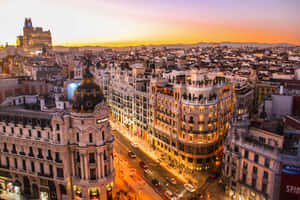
x: 34, y: 38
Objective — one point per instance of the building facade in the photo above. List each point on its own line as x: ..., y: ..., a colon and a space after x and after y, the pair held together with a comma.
x: 34, y: 38
x: 189, y: 118
x: 59, y: 154
x: 251, y: 162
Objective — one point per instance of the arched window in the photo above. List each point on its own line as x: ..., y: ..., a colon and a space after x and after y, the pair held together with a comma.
x: 103, y: 135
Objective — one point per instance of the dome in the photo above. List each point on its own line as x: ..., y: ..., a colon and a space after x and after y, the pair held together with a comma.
x: 87, y: 95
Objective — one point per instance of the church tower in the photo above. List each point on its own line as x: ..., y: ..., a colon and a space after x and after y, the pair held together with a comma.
x: 92, y: 143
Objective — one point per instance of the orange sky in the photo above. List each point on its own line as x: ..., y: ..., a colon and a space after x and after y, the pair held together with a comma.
x: 135, y: 22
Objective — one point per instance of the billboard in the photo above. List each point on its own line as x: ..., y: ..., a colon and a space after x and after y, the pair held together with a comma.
x: 290, y: 183
x: 71, y: 87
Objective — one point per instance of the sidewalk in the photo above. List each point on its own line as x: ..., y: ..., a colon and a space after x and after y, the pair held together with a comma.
x: 10, y: 196
x: 147, y: 149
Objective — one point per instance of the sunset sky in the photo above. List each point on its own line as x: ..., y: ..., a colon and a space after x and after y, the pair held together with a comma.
x: 134, y: 22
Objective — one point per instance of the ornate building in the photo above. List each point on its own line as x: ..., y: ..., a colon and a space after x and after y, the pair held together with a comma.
x: 34, y: 38
x: 189, y: 118
x: 59, y: 154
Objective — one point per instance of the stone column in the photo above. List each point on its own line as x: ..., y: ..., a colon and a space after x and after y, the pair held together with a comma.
x: 82, y: 166
x: 111, y: 163
x: 102, y: 164
x: 73, y: 164
x: 86, y: 166
x: 98, y: 165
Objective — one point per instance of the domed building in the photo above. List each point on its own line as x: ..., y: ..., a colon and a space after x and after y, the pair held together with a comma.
x: 66, y: 154
x: 92, y: 142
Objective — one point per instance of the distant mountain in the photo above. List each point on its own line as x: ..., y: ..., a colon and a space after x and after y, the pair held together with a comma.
x: 200, y: 44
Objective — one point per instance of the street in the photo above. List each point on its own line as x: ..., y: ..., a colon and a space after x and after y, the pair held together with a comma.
x: 209, y: 188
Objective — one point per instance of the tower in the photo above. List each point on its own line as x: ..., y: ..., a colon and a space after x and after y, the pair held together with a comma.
x: 92, y: 150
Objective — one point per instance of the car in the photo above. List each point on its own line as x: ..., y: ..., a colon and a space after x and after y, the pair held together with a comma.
x: 171, y: 180
x: 213, y: 175
x: 189, y: 187
x: 135, y: 145
x: 170, y: 195
x: 155, y: 182
x: 131, y: 154
x: 143, y: 165
x: 148, y: 172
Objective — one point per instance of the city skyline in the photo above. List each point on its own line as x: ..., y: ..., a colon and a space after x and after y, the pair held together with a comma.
x: 126, y: 23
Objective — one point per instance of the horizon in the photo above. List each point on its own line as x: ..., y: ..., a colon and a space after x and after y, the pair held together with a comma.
x: 135, y: 23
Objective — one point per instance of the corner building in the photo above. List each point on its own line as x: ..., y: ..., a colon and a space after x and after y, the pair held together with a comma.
x: 189, y: 118
x: 59, y: 155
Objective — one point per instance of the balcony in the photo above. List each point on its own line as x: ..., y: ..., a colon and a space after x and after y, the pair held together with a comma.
x: 22, y: 153
x: 4, y: 166
x: 58, y: 160
x: 31, y: 154
x: 45, y: 175
x: 49, y: 158
x: 40, y: 156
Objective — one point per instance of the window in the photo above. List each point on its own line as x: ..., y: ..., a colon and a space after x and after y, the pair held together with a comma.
x: 24, y: 164
x: 256, y: 158
x: 264, y: 188
x: 253, y: 182
x: 7, y: 162
x: 12, y: 130
x: 5, y: 147
x: 32, y: 166
x: 50, y: 170
x: 190, y: 160
x: 91, y: 158
x: 16, y: 163
x: 57, y: 156
x: 246, y: 154
x: 104, y: 155
x: 267, y: 163
x: 21, y: 131
x: 13, y: 149
x: 105, y: 170
x: 29, y: 133
x: 40, y: 155
x: 254, y: 170
x: 91, y: 137
x: 4, y: 129
x: 266, y: 175
x: 49, y: 155
x: 60, y: 172
x: 57, y: 127
x: 244, y: 178
x: 103, y: 135
x: 77, y: 137
x: 31, y: 152
x: 39, y: 134
x: 245, y: 166
x: 93, y: 174
x: 42, y: 168
x: 58, y: 137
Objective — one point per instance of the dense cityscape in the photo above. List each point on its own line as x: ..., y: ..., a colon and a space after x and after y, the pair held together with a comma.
x: 210, y: 120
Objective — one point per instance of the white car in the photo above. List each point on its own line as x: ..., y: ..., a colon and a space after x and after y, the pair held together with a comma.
x: 189, y: 187
x: 135, y: 145
x: 170, y: 195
